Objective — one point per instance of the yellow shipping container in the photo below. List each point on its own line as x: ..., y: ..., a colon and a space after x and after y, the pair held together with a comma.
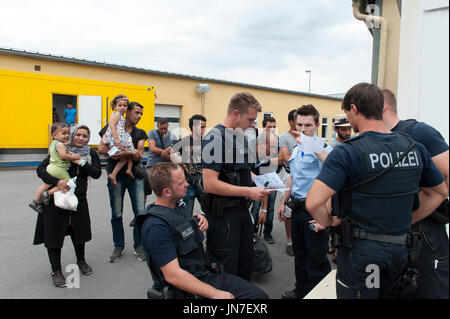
x: 28, y: 102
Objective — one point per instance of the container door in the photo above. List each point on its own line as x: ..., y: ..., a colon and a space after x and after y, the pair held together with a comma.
x: 90, y: 114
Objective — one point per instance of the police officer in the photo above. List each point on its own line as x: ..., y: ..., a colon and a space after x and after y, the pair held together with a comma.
x: 432, y: 262
x: 227, y: 181
x: 173, y: 242
x: 376, y: 212
x: 310, y: 245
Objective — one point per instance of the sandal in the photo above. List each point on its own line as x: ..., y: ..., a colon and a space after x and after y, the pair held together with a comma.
x: 36, y: 206
x: 45, y: 198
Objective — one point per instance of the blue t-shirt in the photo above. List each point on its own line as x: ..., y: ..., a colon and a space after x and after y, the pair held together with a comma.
x: 157, y: 241
x: 343, y: 166
x: 70, y: 115
x: 429, y: 137
x: 222, y: 145
x: 168, y: 140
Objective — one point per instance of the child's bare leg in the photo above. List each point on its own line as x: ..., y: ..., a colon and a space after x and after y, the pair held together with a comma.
x: 117, y: 168
x: 45, y: 196
x: 40, y: 190
x: 130, y: 167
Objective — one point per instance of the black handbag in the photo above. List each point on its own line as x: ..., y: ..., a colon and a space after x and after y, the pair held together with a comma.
x: 140, y: 171
x: 262, y: 262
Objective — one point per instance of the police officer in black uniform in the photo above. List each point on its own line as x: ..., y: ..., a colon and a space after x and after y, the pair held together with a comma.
x: 173, y: 242
x: 378, y: 175
x: 227, y: 181
x: 432, y: 261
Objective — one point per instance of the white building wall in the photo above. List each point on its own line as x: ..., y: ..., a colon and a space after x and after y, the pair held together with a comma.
x: 423, y: 86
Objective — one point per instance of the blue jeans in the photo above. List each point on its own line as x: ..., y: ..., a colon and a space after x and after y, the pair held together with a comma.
x: 135, y: 189
x: 189, y: 199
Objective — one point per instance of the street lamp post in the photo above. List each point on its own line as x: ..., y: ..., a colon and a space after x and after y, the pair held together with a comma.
x: 309, y: 86
x: 202, y: 89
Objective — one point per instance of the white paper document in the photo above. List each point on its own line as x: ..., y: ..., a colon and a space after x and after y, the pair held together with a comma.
x: 270, y: 181
x: 311, y: 144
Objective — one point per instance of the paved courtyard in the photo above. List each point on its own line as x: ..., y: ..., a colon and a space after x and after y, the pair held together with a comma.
x: 26, y: 269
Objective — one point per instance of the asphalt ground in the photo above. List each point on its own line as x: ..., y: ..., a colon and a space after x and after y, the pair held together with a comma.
x: 26, y: 269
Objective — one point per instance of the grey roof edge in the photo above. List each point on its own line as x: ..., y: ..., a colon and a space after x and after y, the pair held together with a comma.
x: 37, y: 55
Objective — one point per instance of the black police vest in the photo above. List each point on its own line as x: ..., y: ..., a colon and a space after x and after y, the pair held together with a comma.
x: 404, y: 126
x: 187, y: 237
x: 238, y: 172
x: 385, y: 205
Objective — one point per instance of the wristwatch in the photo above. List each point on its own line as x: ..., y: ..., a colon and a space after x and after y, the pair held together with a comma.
x: 263, y: 210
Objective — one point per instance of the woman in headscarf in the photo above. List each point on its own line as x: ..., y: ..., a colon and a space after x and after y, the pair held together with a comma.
x: 55, y: 223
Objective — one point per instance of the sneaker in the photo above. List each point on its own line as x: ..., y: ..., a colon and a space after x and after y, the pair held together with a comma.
x: 292, y: 294
x: 268, y: 239
x: 36, y: 206
x: 289, y: 250
x: 84, y: 268
x: 45, y: 198
x: 139, y: 253
x: 117, y: 253
x: 58, y: 279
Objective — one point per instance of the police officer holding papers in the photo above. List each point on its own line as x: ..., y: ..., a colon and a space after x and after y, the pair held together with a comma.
x: 227, y: 182
x: 377, y: 176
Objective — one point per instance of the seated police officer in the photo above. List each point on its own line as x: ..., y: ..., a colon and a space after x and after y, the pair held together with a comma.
x: 381, y: 173
x: 172, y: 240
x: 227, y: 180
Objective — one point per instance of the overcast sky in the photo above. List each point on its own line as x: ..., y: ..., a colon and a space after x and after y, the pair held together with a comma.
x: 269, y: 43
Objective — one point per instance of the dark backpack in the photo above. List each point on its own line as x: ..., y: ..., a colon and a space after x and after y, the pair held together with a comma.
x: 262, y: 262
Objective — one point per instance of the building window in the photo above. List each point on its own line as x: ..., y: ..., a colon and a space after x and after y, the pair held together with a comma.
x: 325, y: 127
x: 268, y: 114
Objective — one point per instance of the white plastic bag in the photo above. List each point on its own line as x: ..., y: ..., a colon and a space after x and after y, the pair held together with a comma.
x: 67, y: 200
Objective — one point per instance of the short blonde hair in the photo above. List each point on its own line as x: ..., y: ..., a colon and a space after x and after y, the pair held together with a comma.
x: 242, y: 102
x: 160, y: 176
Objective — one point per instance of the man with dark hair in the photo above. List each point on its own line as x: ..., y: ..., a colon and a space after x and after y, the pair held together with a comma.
x: 342, y: 128
x: 377, y: 174
x: 173, y: 241
x: 188, y: 153
x: 267, y: 162
x: 135, y: 186
x: 287, y: 142
x: 432, y: 262
x: 159, y: 140
x: 227, y: 181
x: 269, y: 123
x: 310, y: 245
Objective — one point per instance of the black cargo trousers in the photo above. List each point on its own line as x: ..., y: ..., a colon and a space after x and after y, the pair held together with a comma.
x: 229, y: 241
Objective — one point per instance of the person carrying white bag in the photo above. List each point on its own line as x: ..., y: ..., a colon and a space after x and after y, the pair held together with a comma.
x: 68, y: 213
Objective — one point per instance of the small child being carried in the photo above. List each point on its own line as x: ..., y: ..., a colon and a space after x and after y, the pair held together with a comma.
x: 117, y: 136
x: 60, y: 159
